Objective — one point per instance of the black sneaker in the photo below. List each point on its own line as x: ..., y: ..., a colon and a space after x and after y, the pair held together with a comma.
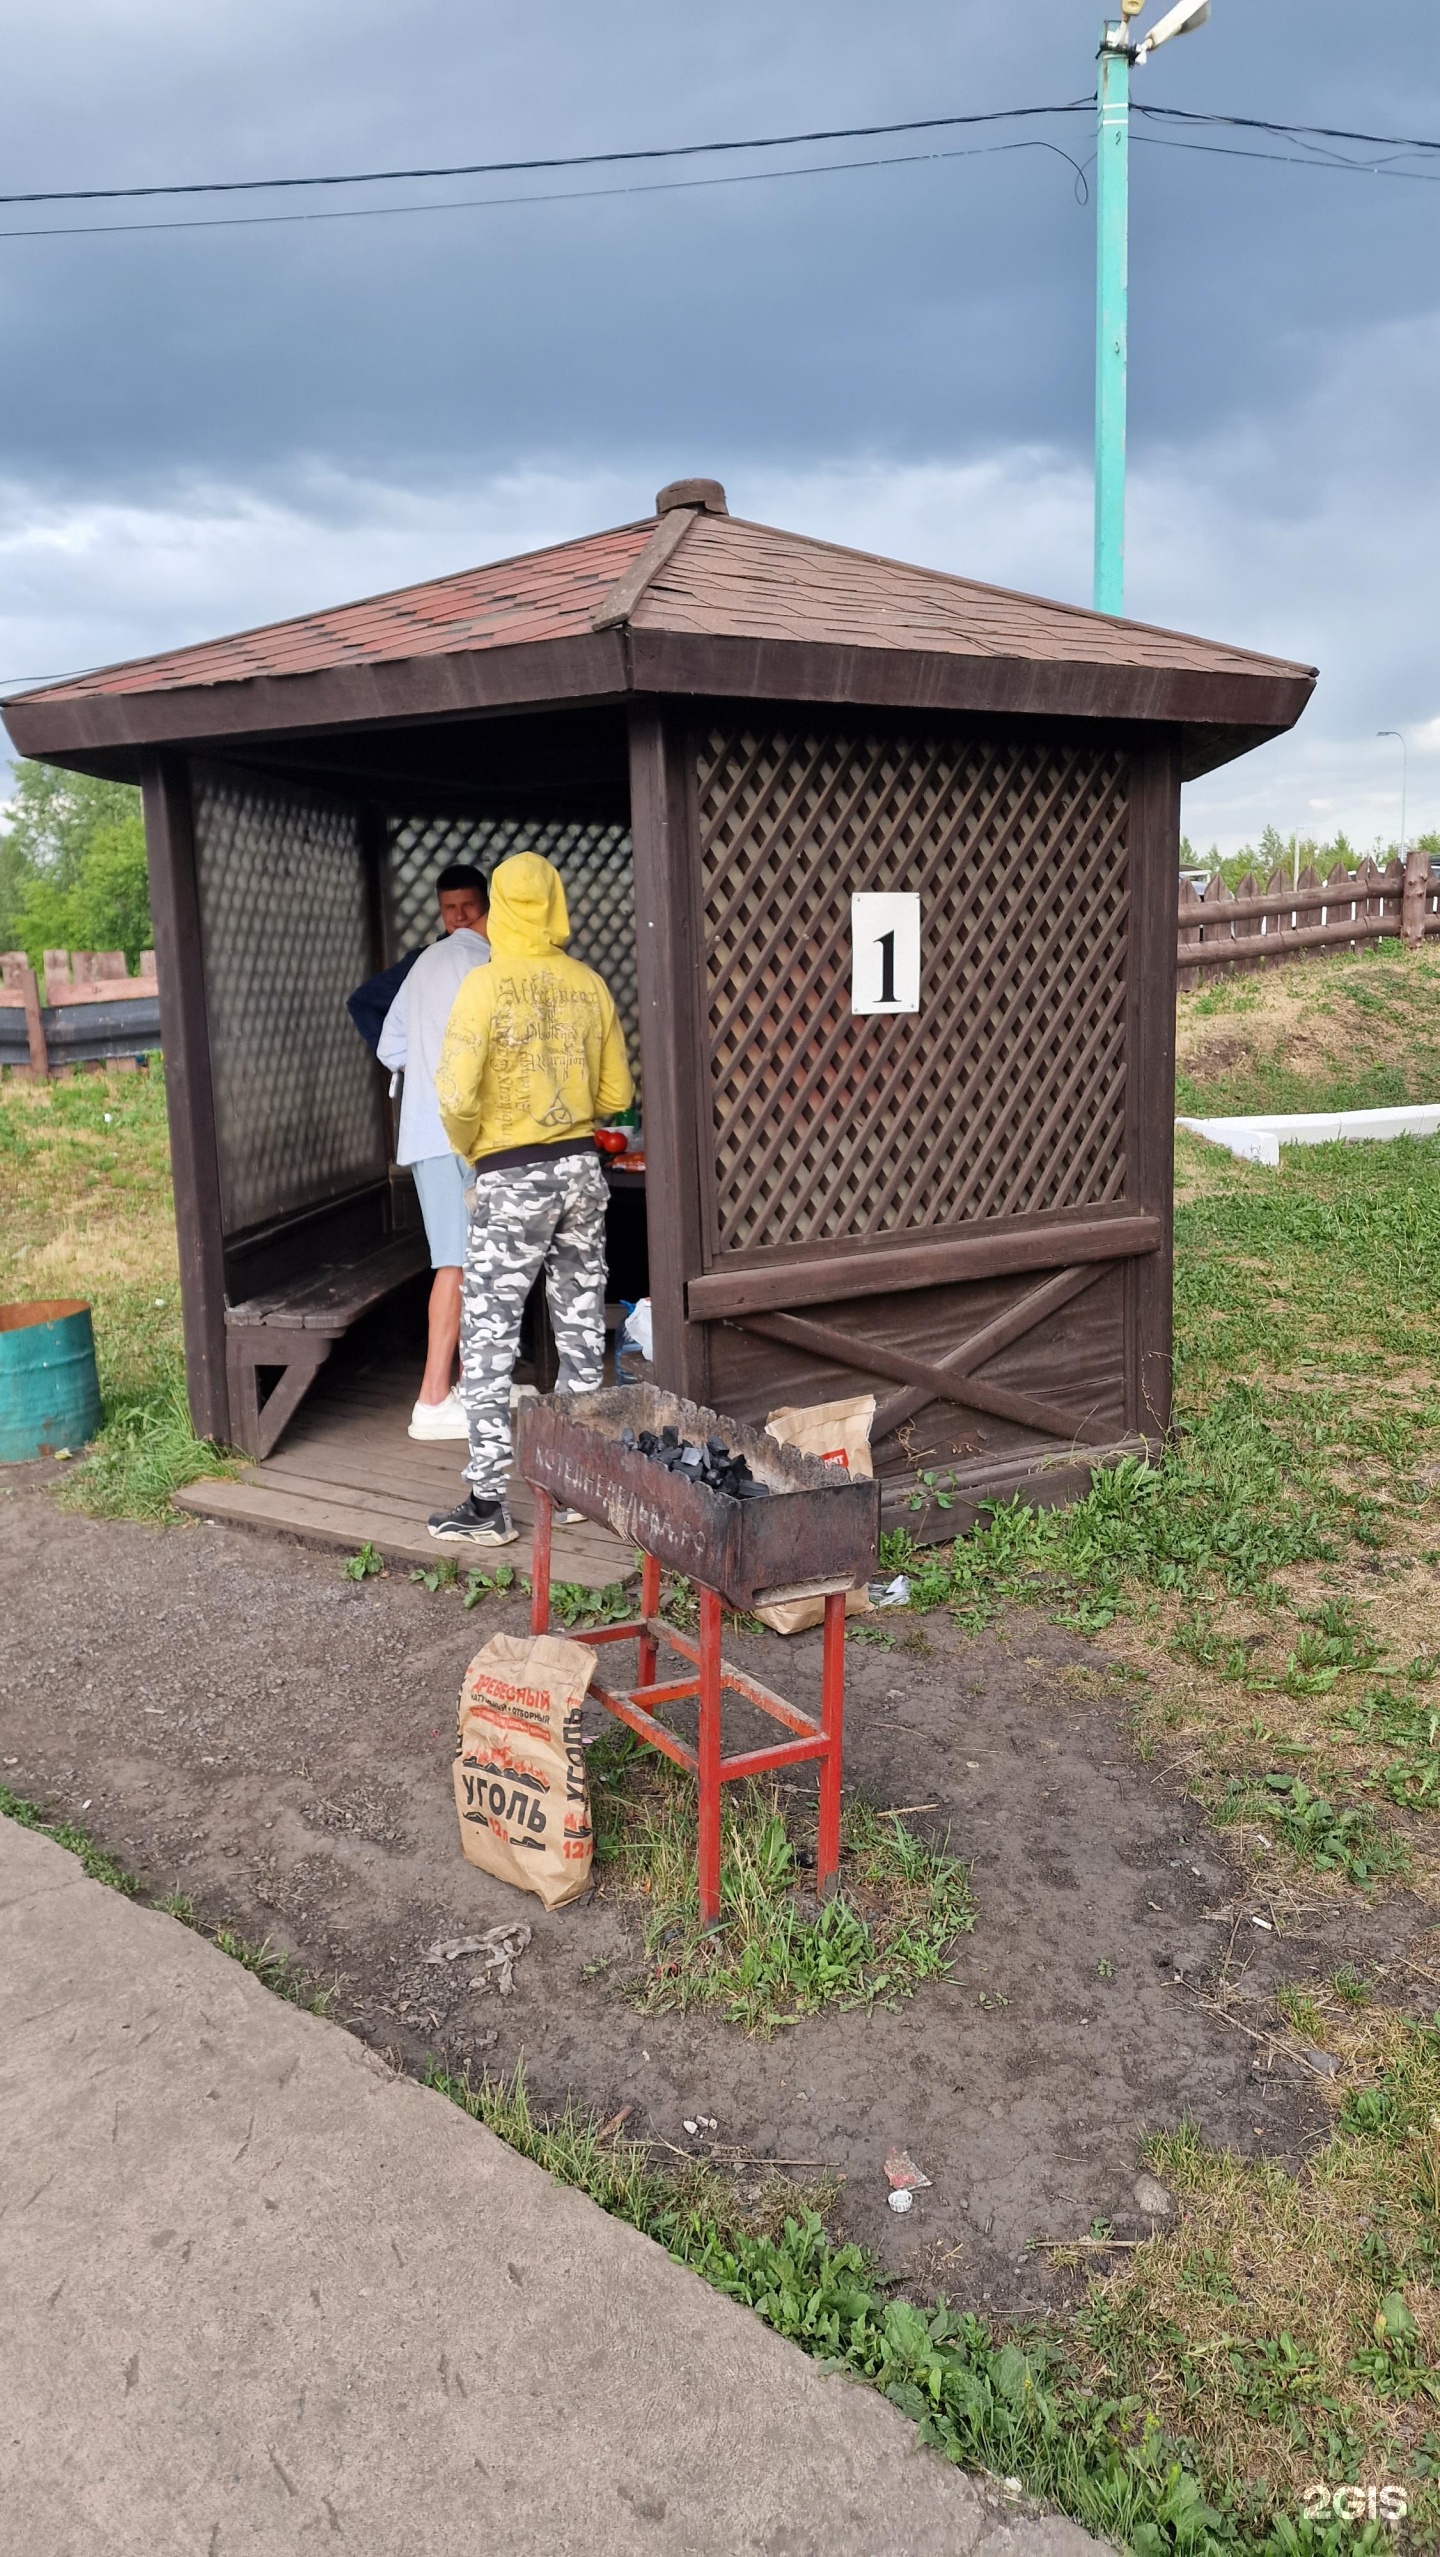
x: 475, y: 1522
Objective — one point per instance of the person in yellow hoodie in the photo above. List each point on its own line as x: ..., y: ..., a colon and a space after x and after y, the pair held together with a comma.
x: 533, y: 1055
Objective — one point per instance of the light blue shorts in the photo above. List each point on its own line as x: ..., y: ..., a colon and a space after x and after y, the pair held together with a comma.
x: 442, y: 1180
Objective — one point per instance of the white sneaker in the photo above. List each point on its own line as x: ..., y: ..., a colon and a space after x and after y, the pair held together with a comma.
x: 440, y: 1420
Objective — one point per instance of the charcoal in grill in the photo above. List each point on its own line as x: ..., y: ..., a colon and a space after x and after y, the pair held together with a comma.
x: 713, y: 1464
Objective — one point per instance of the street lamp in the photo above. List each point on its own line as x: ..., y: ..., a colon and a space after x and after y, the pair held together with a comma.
x: 1112, y: 260
x: 1404, y: 778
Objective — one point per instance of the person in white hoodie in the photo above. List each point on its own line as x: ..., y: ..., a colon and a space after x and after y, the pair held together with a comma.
x: 410, y: 1042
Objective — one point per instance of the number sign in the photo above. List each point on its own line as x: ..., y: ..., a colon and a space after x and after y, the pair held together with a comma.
x: 885, y: 954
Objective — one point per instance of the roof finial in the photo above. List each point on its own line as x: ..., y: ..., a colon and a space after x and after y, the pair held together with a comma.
x: 707, y: 494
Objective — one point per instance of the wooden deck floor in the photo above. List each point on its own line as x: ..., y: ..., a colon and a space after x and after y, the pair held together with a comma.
x: 346, y: 1474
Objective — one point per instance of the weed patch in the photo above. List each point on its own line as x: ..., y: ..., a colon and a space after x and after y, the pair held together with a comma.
x: 571, y: 1604
x: 775, y: 1955
x: 1240, y: 1497
x: 86, y: 1211
x: 1086, y: 2437
x: 145, y: 1450
x: 1344, y: 1841
x: 1290, y: 2328
x: 274, y: 1969
x: 93, y: 1860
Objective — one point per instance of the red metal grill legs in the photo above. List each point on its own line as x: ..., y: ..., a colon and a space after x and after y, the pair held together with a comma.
x: 832, y: 1719
x: 713, y: 1674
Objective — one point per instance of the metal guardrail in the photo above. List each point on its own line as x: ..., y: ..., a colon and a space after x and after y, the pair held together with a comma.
x: 91, y: 1012
x: 88, y: 1034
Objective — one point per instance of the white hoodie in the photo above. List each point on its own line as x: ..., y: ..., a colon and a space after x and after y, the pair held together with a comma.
x: 414, y: 1029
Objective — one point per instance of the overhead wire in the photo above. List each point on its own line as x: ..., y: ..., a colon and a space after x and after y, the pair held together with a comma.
x: 1313, y: 155
x: 1290, y: 132
x: 1275, y: 159
x: 556, y: 195
x: 569, y: 160
x: 537, y: 164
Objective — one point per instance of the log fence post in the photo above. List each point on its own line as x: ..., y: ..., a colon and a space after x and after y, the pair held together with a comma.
x: 1415, y: 897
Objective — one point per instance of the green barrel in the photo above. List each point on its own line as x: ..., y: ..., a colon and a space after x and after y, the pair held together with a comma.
x: 49, y: 1391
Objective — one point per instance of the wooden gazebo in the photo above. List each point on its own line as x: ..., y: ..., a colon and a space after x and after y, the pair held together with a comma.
x: 723, y: 734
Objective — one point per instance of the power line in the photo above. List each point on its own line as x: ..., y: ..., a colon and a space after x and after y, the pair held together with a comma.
x: 558, y: 195
x: 521, y: 168
x: 692, y: 150
x: 1288, y: 132
x: 1333, y: 161
x: 1327, y: 167
x: 1328, y: 164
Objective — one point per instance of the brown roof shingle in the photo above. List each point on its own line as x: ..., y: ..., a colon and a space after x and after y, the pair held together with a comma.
x: 726, y: 579
x: 546, y: 594
x: 732, y: 579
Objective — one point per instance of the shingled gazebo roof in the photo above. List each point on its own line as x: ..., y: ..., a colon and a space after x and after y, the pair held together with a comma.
x: 690, y: 600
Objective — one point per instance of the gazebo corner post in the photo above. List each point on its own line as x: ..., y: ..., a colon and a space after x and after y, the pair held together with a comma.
x: 1154, y: 869
x: 189, y: 1090
x: 670, y: 977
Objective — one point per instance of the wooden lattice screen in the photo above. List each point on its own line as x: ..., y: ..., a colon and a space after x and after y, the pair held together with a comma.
x: 1006, y: 1092
x: 594, y: 860
x: 286, y: 936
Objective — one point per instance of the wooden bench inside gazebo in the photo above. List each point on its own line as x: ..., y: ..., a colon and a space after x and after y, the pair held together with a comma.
x: 920, y: 1147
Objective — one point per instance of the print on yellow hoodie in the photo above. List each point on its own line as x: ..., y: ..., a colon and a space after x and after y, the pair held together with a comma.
x: 533, y: 1052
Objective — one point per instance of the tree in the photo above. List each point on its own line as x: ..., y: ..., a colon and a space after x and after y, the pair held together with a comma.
x: 72, y: 866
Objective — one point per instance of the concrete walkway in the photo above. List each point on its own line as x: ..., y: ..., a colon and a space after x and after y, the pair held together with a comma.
x: 256, y: 2294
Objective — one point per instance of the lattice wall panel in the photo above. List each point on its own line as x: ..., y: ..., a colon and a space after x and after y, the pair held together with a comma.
x: 595, y: 862
x: 1006, y: 1091
x: 283, y: 923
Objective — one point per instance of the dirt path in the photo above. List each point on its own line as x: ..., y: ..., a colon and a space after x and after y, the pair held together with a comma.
x: 230, y: 1716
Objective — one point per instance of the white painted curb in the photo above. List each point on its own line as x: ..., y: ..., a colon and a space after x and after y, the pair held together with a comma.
x: 1258, y: 1140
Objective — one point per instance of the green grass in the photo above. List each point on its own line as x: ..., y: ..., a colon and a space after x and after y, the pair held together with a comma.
x: 1353, y: 1031
x: 275, y: 1970
x: 144, y: 1453
x: 1328, y: 1839
x: 686, y: 2204
x: 1074, y: 2427
x: 573, y: 1605
x: 775, y: 1955
x: 1290, y: 2327
x: 1335, y: 1252
x: 279, y: 1972
x: 1248, y: 1488
x: 86, y: 1211
x: 1319, y: 1287
x: 100, y: 1866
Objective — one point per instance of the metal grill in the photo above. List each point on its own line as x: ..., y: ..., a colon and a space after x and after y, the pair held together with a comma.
x: 286, y: 938
x: 1006, y: 1091
x: 595, y: 862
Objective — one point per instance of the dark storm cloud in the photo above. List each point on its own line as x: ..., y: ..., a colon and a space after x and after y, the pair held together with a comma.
x: 908, y: 310
x: 207, y: 428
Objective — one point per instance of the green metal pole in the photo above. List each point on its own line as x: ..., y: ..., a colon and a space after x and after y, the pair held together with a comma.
x: 1112, y: 226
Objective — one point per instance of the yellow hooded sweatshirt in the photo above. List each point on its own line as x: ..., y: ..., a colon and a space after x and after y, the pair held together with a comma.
x: 533, y: 1052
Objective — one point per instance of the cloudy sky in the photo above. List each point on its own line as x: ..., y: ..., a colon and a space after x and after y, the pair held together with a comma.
x: 215, y: 425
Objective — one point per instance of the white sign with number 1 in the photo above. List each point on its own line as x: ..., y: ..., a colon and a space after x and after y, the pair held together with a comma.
x: 885, y: 954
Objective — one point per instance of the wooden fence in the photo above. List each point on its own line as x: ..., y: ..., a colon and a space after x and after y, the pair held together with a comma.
x: 89, y: 1011
x: 1255, y: 926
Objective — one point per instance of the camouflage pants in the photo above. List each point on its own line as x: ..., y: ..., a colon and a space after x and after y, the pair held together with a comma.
x: 535, y: 1216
